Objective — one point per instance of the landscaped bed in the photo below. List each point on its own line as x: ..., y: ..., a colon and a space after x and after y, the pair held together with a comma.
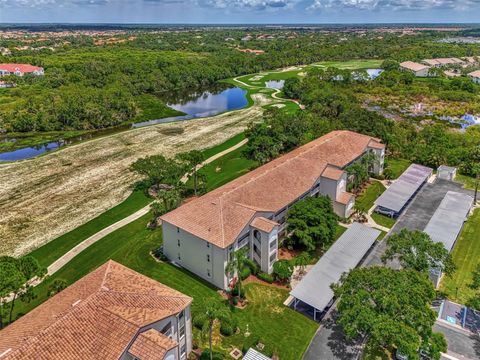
x: 366, y: 199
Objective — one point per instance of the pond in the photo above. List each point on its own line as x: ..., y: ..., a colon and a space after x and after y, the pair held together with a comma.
x: 194, y: 104
x: 203, y: 104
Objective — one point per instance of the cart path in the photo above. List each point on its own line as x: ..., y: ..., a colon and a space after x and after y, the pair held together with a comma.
x: 68, y: 256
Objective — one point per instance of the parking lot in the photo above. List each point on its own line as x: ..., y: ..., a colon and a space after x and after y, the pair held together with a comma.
x: 421, y: 209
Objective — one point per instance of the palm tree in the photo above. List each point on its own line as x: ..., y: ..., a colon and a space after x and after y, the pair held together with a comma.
x: 214, y: 312
x: 238, y: 261
x: 302, y: 260
x: 193, y: 159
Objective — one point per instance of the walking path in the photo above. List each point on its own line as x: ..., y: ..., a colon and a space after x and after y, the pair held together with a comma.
x: 68, y: 256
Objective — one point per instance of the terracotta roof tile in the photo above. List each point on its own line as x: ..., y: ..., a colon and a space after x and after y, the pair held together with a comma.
x: 410, y: 65
x: 374, y: 144
x: 333, y: 173
x: 475, y: 74
x: 95, y: 318
x: 151, y: 345
x: 24, y: 68
x: 219, y: 216
x: 264, y: 224
x: 344, y: 198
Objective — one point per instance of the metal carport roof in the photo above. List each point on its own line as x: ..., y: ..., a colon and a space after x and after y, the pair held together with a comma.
x: 343, y: 255
x: 401, y: 191
x: 447, y: 221
x: 253, y: 354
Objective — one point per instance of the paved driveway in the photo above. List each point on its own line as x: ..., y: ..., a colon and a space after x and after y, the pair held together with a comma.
x: 329, y: 342
x: 460, y: 342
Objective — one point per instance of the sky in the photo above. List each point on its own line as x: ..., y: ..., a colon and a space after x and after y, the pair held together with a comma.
x: 239, y: 11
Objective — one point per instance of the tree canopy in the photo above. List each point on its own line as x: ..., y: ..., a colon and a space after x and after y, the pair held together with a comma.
x: 311, y: 223
x: 415, y: 250
x: 391, y: 307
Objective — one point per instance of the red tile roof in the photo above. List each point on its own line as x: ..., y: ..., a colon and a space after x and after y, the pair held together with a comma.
x: 151, y: 345
x: 332, y: 172
x: 410, y: 65
x: 264, y: 224
x: 344, y: 198
x: 95, y: 318
x: 24, y: 68
x: 219, y: 216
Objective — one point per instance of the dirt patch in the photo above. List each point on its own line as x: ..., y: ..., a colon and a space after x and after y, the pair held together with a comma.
x: 48, y: 196
x: 286, y: 254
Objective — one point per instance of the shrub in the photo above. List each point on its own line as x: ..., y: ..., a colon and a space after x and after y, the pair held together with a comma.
x: 265, y: 277
x: 234, y: 301
x: 206, y: 355
x: 245, y: 273
x: 236, y: 292
x: 282, y: 269
x: 226, y: 329
x: 158, y: 253
x: 198, y: 322
x: 254, y: 268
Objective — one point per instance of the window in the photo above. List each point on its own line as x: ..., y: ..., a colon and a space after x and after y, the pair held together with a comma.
x: 208, y: 258
x: 208, y: 273
x: 181, y: 325
x: 183, y: 350
x: 257, y: 235
x: 179, y: 257
x: 178, y: 242
x: 178, y: 229
x: 208, y: 244
x: 257, y: 250
x: 273, y: 244
x: 273, y: 257
x: 167, y: 330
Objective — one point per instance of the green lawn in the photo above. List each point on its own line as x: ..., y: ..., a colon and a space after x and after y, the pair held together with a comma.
x: 53, y: 250
x: 130, y: 245
x: 467, y: 181
x: 395, y: 167
x: 223, y: 146
x: 365, y: 201
x: 352, y: 64
x: 466, y: 255
x: 383, y: 220
x: 227, y: 168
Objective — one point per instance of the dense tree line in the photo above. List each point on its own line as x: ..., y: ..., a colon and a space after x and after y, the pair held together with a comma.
x: 90, y: 87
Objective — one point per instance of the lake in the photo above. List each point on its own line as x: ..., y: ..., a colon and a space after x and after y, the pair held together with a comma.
x: 194, y: 104
x: 203, y: 104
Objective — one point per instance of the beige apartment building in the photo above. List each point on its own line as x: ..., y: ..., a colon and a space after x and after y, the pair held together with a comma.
x: 250, y: 211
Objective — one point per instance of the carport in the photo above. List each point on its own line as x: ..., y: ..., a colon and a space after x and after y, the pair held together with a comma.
x: 345, y: 254
x: 399, y: 194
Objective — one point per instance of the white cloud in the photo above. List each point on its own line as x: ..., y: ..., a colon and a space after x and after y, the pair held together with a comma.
x: 247, y: 4
x: 393, y: 4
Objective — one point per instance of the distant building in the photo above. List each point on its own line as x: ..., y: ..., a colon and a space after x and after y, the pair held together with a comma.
x: 6, y: 84
x: 475, y: 76
x: 20, y: 69
x: 113, y: 313
x: 440, y: 62
x: 417, y: 69
x: 250, y: 211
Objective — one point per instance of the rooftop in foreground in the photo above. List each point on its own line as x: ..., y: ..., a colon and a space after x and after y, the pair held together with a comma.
x: 95, y: 318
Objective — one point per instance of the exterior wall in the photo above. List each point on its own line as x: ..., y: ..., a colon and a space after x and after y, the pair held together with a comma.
x: 378, y: 165
x: 268, y: 254
x: 194, y: 254
x: 328, y: 187
x: 185, y: 340
x: 344, y: 210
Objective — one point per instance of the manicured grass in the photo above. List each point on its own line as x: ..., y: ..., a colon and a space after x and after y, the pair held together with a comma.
x: 53, y: 250
x: 282, y: 330
x: 467, y: 181
x: 383, y: 220
x: 223, y: 146
x: 352, y: 64
x: 365, y: 201
x: 266, y: 316
x: 395, y: 167
x: 466, y: 255
x: 227, y: 168
x: 152, y: 108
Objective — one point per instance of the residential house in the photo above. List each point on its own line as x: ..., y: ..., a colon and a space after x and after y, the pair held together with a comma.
x: 6, y: 84
x: 20, y: 69
x: 111, y: 313
x: 250, y: 212
x: 440, y: 62
x: 475, y: 76
x: 417, y: 69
